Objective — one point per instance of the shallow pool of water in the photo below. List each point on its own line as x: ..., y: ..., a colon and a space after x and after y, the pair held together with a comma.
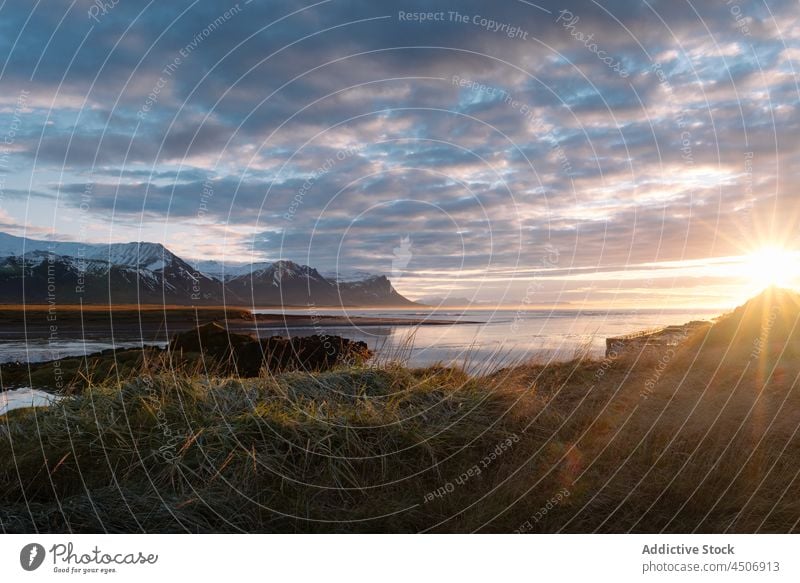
x: 27, y: 397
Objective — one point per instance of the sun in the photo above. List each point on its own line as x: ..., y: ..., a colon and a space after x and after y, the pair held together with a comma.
x: 772, y: 266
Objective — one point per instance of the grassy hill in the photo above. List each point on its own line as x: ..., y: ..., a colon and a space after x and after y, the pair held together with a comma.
x: 698, y: 437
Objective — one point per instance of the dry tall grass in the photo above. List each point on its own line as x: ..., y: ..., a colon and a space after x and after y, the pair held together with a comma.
x: 701, y: 437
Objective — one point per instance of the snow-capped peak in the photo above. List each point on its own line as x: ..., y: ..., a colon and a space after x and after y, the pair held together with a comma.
x: 142, y: 255
x: 348, y: 276
x: 152, y: 256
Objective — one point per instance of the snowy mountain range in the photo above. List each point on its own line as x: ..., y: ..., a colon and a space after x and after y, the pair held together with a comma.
x: 34, y: 271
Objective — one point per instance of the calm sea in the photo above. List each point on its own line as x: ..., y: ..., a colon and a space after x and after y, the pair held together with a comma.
x: 475, y: 336
x: 496, y: 336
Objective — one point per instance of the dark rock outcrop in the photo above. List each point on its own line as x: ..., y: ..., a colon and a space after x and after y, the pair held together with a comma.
x: 244, y: 355
x: 658, y: 339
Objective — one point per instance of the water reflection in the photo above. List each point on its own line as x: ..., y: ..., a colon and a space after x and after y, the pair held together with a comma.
x: 471, y: 335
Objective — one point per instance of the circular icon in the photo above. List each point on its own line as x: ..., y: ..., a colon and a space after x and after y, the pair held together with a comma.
x: 31, y: 556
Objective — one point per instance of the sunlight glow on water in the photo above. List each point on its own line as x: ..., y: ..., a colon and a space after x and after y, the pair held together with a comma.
x: 484, y: 335
x: 508, y: 335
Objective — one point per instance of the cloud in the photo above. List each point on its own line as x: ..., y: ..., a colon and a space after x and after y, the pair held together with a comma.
x: 331, y: 132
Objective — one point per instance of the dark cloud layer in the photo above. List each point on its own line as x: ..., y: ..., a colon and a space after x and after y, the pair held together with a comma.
x: 619, y: 132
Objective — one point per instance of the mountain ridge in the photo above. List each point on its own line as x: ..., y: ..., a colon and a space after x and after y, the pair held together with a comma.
x: 36, y: 271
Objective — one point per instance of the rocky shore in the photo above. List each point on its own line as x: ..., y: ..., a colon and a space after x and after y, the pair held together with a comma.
x: 210, y: 350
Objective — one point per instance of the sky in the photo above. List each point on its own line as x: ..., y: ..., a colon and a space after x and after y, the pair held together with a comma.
x: 614, y: 153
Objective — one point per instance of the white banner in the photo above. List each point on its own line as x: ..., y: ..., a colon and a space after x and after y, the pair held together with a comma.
x: 401, y: 558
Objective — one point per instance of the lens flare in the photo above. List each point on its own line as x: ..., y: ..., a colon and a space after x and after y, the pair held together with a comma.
x: 772, y: 266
